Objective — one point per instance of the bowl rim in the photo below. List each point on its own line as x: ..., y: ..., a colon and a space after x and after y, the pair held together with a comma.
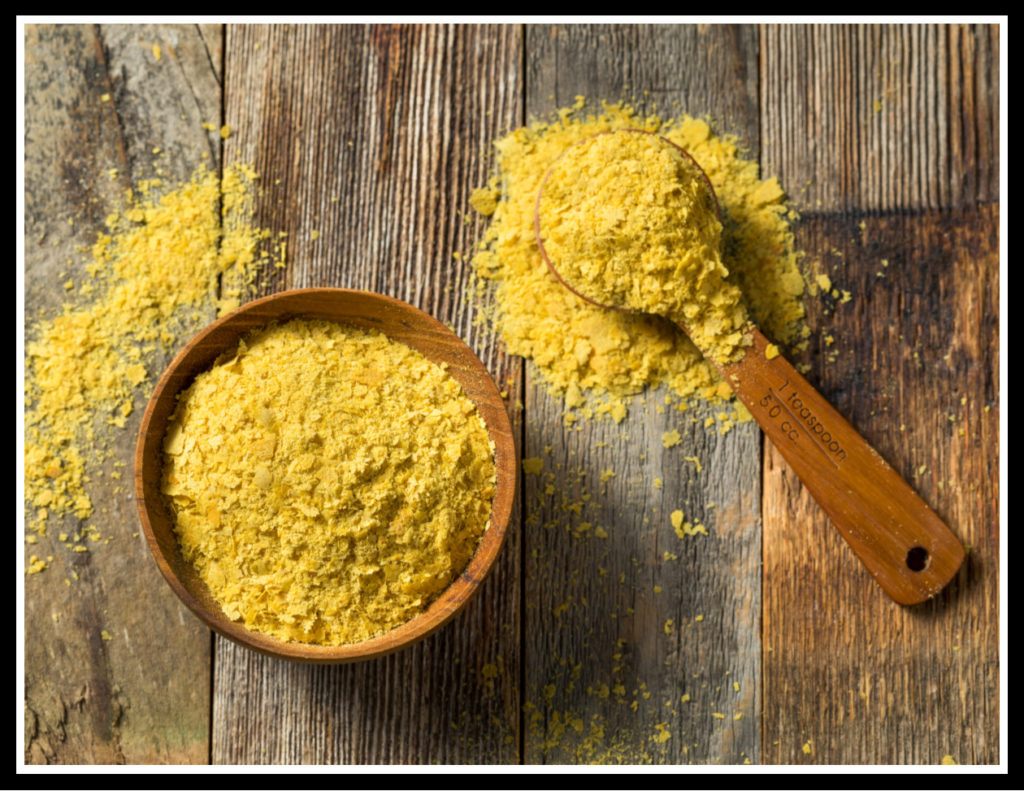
x: 451, y: 600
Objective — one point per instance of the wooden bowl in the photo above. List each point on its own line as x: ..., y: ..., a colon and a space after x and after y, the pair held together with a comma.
x: 397, y: 320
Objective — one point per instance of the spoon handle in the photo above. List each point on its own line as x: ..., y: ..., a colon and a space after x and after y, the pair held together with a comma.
x: 908, y: 549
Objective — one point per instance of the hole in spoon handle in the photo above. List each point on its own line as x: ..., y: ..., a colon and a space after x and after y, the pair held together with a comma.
x: 908, y: 549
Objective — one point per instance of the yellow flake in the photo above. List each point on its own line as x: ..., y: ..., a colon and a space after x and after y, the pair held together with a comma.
x: 533, y: 466
x: 948, y: 760
x: 807, y: 748
x: 771, y: 351
x: 671, y: 438
x: 684, y: 528
x: 485, y: 200
x: 225, y: 132
x: 156, y: 51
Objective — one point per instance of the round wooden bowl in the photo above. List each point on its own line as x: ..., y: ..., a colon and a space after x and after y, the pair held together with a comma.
x: 397, y: 320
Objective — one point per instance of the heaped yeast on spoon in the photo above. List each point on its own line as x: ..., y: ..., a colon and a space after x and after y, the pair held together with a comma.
x: 628, y: 220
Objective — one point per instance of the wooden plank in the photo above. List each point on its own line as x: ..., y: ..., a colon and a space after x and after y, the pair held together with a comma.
x: 143, y: 695
x: 913, y: 365
x: 592, y: 618
x: 374, y: 137
x: 882, y: 117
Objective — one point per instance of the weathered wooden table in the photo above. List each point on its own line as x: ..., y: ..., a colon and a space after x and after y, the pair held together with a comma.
x: 887, y: 139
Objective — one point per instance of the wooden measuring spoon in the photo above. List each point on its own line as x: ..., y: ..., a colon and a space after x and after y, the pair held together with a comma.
x: 908, y: 549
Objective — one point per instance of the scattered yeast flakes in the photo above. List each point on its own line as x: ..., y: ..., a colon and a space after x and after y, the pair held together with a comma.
x: 684, y: 528
x: 158, y: 267
x: 613, y: 353
x: 533, y: 466
x: 671, y: 438
x: 326, y: 482
x: 807, y: 748
x: 948, y: 760
x: 485, y: 200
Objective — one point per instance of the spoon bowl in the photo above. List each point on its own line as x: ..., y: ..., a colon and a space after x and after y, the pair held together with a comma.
x: 906, y: 547
x: 574, y: 288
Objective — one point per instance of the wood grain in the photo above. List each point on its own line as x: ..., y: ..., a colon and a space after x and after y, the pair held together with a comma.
x: 913, y: 366
x: 143, y: 695
x: 881, y: 116
x: 596, y: 609
x: 374, y: 136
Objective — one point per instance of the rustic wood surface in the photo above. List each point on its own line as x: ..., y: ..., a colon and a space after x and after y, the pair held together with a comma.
x: 374, y: 136
x: 377, y: 143
x: 592, y: 618
x: 860, y: 678
x: 143, y: 696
